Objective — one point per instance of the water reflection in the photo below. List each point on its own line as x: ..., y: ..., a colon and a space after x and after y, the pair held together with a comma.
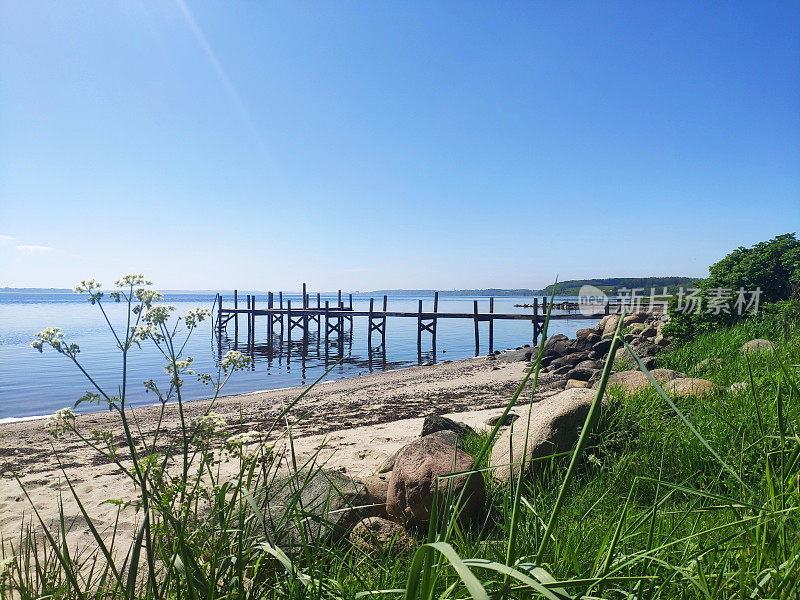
x: 307, y: 349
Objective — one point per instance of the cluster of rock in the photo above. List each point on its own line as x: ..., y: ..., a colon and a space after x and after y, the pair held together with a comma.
x: 581, y: 360
x: 433, y: 473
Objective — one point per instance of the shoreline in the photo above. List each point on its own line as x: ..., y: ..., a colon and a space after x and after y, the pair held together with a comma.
x: 359, y: 420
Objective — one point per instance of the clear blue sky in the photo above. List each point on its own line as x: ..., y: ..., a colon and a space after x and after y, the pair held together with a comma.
x: 369, y: 145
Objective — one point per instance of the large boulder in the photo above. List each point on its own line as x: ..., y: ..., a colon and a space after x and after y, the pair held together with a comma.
x: 690, y: 386
x: 754, y: 346
x: 375, y: 535
x: 554, y: 428
x: 325, y: 503
x: 416, y: 477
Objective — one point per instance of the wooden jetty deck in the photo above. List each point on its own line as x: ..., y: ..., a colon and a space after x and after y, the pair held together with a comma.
x: 330, y: 319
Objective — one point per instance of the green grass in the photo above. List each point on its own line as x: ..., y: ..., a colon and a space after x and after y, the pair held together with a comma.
x: 649, y: 508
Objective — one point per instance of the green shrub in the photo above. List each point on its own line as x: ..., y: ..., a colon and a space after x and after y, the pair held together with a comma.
x: 771, y: 268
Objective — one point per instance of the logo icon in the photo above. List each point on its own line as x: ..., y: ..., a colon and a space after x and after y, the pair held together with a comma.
x: 591, y: 300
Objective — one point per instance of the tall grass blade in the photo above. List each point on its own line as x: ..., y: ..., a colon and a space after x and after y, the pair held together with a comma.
x: 683, y: 418
x: 583, y: 440
x: 472, y: 583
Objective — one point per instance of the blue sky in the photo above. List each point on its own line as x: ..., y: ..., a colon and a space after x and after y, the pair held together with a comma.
x: 369, y: 145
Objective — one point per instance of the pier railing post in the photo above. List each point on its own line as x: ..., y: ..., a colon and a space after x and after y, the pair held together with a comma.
x: 289, y: 322
x: 327, y: 326
x: 269, y: 319
x: 236, y: 315
x: 433, y: 330
x: 419, y: 331
x: 477, y: 328
x: 491, y: 326
x: 383, y: 326
x: 369, y: 326
x: 253, y: 324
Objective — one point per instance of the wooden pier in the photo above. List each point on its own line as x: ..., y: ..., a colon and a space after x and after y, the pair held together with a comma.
x: 334, y: 321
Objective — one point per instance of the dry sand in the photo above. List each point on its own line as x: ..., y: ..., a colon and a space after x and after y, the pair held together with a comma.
x: 358, y: 421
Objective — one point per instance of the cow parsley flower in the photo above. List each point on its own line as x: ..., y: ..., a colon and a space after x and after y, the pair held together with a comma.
x: 195, y: 316
x: 148, y: 297
x: 234, y: 360
x: 243, y: 439
x: 87, y: 285
x: 132, y: 279
x: 60, y: 421
x: 204, y: 426
x: 54, y: 337
x: 158, y: 315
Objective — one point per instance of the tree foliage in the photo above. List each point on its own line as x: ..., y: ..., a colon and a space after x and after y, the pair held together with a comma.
x: 773, y: 267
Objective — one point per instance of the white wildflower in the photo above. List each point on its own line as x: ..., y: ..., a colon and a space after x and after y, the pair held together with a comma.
x: 54, y: 337
x: 206, y: 425
x: 132, y: 279
x: 180, y: 366
x: 87, y: 285
x: 5, y: 567
x: 60, y: 421
x: 142, y: 332
x: 158, y: 314
x: 147, y: 297
x: 243, y: 439
x: 234, y: 360
x: 195, y: 316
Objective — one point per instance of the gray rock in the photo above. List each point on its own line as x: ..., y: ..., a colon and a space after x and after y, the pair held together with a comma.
x: 589, y: 364
x: 580, y: 374
x: 434, y: 423
x: 388, y: 464
x: 555, y: 426
x: 327, y: 502
x: 754, y: 346
x: 603, y: 346
x: 510, y: 418
x: 691, y: 386
x: 610, y: 326
x: 376, y: 535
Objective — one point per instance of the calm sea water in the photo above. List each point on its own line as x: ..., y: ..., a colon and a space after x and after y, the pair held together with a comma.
x: 38, y: 384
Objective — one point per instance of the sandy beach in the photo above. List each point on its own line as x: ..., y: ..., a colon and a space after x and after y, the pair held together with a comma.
x: 359, y: 421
